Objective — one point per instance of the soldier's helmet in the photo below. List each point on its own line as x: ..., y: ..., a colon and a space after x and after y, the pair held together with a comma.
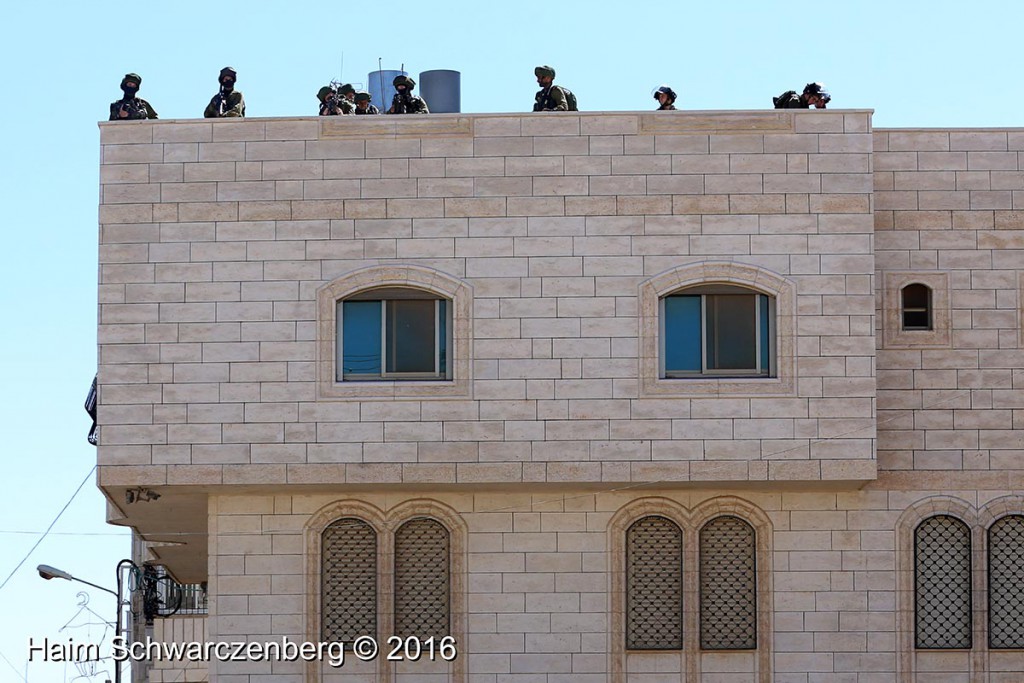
x: 323, y: 92
x: 819, y: 90
x: 362, y: 96
x: 134, y: 78
x: 544, y: 70
x: 227, y: 71
x: 346, y: 89
x: 667, y: 90
x: 404, y: 80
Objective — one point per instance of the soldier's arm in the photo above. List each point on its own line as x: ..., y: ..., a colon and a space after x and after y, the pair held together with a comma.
x: 150, y: 112
x: 558, y: 97
x: 211, y: 109
x: 423, y: 109
x: 239, y: 108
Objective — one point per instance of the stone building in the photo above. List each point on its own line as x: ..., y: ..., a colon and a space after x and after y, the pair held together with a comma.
x: 605, y: 397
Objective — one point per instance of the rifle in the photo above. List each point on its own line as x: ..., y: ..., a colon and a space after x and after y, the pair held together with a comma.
x: 222, y: 105
x: 130, y: 106
x: 400, y: 104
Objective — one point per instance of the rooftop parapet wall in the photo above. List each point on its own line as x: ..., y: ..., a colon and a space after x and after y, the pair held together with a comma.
x: 216, y: 236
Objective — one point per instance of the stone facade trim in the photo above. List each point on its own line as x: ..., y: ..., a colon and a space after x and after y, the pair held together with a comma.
x: 459, y: 292
x: 690, y: 522
x: 385, y: 524
x: 894, y: 335
x: 760, y: 279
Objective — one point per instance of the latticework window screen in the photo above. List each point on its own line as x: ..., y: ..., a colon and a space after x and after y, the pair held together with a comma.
x: 942, y: 583
x: 349, y: 580
x: 728, y: 585
x: 654, y: 585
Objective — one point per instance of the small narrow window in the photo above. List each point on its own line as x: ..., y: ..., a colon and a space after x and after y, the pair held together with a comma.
x: 349, y: 580
x: 422, y: 580
x: 942, y: 584
x: 917, y: 307
x: 394, y: 334
x: 1005, y: 581
x: 654, y: 585
x: 728, y: 585
x: 718, y: 331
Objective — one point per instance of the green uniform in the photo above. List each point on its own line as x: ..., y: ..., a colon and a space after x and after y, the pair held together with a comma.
x: 551, y: 98
x: 408, y: 104
x: 221, y: 106
x: 341, y: 107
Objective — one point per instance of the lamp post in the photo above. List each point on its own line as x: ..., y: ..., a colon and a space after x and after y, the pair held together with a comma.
x: 47, y: 572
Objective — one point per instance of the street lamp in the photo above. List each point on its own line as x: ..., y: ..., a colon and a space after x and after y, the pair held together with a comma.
x: 47, y: 572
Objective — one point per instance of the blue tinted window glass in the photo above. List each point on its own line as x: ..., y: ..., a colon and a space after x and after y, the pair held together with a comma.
x: 361, y: 338
x: 682, y: 334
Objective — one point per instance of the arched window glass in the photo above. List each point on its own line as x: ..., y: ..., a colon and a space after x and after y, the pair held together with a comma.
x: 916, y: 301
x: 718, y: 331
x: 654, y: 585
x: 394, y: 333
x: 1006, y: 583
x: 728, y: 585
x: 349, y: 580
x: 422, y: 580
x: 942, y: 584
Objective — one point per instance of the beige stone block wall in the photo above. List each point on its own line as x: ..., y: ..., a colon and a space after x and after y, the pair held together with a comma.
x: 215, y: 237
x: 542, y: 588
x: 948, y: 214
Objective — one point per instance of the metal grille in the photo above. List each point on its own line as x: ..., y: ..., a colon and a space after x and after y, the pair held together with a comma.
x: 422, y: 580
x: 942, y: 583
x: 1005, y: 583
x: 349, y: 580
x: 654, y: 585
x: 728, y: 585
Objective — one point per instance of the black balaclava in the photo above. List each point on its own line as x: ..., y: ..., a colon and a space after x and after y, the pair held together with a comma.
x: 130, y: 93
x: 227, y: 79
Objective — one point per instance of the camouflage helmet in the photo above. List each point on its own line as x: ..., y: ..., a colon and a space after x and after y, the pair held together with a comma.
x: 667, y: 90
x: 227, y: 71
x: 404, y: 80
x: 362, y: 96
x: 345, y: 89
x: 134, y: 78
x: 323, y: 92
x: 544, y: 70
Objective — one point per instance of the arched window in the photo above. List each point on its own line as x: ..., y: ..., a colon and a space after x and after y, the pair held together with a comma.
x: 942, y: 584
x: 348, y: 580
x: 1005, y: 579
x: 718, y: 330
x: 916, y: 307
x: 422, y: 580
x: 394, y: 333
x: 654, y: 585
x: 728, y: 585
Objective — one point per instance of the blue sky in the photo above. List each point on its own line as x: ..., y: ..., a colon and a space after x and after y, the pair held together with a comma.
x: 918, y: 64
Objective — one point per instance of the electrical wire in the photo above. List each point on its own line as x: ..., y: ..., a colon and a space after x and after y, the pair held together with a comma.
x: 48, y: 529
x: 13, y: 668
